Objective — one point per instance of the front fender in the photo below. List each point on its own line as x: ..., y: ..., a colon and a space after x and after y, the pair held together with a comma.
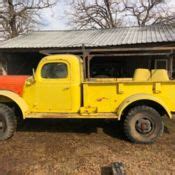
x: 17, y: 99
x: 138, y: 97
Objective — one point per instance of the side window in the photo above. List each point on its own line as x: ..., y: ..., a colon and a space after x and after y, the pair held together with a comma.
x: 54, y: 70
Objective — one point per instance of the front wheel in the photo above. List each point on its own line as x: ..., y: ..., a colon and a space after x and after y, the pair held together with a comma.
x: 143, y: 124
x: 7, y: 122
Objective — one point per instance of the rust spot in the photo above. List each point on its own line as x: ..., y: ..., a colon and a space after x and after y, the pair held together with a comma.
x: 99, y: 99
x: 102, y: 98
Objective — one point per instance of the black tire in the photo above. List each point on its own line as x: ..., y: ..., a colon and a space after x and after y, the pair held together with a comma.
x: 7, y: 122
x: 143, y: 124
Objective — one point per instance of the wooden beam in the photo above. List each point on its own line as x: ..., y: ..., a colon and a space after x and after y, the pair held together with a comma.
x: 96, y: 50
x: 171, y: 65
x: 89, y: 49
x: 132, y: 54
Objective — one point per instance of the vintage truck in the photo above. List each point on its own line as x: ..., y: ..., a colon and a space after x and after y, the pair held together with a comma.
x: 58, y: 89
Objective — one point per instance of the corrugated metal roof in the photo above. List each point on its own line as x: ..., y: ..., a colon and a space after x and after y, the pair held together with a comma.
x: 93, y: 38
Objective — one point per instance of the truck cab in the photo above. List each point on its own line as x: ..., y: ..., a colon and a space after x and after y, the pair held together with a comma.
x: 59, y: 80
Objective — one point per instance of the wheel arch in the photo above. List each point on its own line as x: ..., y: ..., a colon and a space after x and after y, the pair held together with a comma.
x: 143, y: 99
x: 9, y: 96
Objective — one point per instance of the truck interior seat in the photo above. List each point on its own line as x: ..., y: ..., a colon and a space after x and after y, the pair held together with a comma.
x: 141, y: 75
x: 159, y: 75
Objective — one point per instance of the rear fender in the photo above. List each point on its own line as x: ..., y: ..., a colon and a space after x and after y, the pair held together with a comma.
x: 139, y: 97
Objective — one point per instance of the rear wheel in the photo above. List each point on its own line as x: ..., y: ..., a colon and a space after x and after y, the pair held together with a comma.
x: 143, y: 124
x: 7, y: 122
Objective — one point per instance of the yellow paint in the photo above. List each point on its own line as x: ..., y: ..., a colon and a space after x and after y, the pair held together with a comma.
x: 17, y: 99
x: 141, y: 75
x: 138, y: 97
x: 88, y: 110
x: 120, y: 87
x: 159, y: 75
x: 115, y: 95
x: 157, y: 88
x: 98, y: 98
x: 55, y: 95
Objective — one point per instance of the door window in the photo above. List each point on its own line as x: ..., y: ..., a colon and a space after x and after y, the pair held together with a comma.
x: 54, y: 70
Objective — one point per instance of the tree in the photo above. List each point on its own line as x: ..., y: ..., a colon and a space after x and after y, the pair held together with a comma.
x: 20, y: 16
x: 114, y: 13
x: 148, y: 12
x: 95, y: 13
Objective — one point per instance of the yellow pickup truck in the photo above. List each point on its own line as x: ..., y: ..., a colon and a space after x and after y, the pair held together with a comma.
x: 59, y: 89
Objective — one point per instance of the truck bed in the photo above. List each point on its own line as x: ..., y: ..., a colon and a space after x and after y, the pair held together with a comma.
x: 106, y: 96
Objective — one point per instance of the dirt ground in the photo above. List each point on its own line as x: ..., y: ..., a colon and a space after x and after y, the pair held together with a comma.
x: 76, y: 147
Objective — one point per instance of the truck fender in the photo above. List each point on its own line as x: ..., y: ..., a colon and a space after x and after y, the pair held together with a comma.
x: 17, y: 99
x: 139, y: 97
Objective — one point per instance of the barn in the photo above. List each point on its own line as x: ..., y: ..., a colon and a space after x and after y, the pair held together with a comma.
x: 107, y: 52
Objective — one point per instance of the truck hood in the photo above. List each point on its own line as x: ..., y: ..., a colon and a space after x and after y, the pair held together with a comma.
x: 13, y: 83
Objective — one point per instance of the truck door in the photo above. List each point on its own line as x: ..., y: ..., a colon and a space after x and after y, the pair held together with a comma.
x: 53, y: 91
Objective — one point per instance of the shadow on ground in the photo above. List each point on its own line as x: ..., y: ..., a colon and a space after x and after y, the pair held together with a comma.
x: 86, y: 126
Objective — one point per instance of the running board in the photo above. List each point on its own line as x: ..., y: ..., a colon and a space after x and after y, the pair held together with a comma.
x: 73, y: 115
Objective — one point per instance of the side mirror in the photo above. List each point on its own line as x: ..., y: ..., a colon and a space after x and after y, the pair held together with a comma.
x: 33, y: 73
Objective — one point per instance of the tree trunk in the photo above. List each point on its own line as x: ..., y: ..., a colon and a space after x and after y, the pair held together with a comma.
x: 12, y: 20
x: 110, y: 14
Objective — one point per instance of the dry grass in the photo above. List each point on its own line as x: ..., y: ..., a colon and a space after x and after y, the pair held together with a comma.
x: 61, y: 147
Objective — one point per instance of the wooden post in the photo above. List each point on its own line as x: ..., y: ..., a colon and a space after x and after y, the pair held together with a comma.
x: 89, y: 57
x: 84, y: 61
x: 171, y: 65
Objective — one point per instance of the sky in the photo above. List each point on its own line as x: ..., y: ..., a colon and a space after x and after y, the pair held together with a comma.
x: 55, y: 19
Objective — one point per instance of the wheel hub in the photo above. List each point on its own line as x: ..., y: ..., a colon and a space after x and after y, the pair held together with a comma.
x: 143, y: 126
